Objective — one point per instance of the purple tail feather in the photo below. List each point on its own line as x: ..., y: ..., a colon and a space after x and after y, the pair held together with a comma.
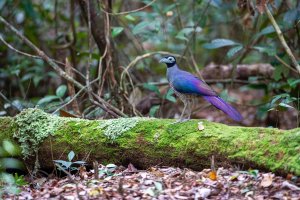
x: 225, y: 107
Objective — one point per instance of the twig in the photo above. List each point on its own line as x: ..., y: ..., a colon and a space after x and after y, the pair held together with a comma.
x: 108, y: 56
x: 281, y: 38
x: 70, y: 179
x: 70, y: 101
x: 71, y: 88
x: 19, y: 52
x: 285, y: 64
x: 96, y: 170
x: 128, y: 12
x: 87, y: 78
x: 8, y: 101
x: 100, y: 68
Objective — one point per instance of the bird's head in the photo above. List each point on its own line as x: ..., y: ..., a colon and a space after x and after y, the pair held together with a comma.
x: 169, y: 60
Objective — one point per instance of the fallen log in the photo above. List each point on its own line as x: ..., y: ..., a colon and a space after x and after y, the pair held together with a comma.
x: 146, y: 142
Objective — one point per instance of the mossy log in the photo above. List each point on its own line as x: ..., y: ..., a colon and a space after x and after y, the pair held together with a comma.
x: 146, y: 142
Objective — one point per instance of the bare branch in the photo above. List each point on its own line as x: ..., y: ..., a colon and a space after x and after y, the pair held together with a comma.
x: 281, y: 38
x: 128, y: 12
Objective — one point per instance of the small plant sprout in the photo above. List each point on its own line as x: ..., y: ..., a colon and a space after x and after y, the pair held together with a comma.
x: 69, y: 165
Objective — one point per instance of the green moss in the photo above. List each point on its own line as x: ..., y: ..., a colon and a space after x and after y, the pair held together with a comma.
x: 113, y: 128
x: 32, y: 127
x: 6, y: 127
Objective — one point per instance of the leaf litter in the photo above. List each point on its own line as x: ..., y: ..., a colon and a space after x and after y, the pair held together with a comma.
x: 118, y: 182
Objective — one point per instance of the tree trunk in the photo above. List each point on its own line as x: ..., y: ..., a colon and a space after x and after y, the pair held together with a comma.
x: 147, y: 141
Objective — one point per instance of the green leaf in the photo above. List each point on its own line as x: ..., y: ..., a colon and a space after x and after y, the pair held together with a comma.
x: 151, y: 87
x: 36, y: 80
x: 216, y: 3
x: 47, y: 99
x: 27, y: 77
x: 285, y: 105
x: 2, y: 3
x: 140, y: 27
x: 116, y: 31
x: 63, y: 163
x: 276, y: 98
x: 9, y: 147
x: 268, y: 50
x: 169, y: 96
x: 218, y: 43
x: 111, y: 166
x: 71, y: 155
x: 183, y: 33
x: 170, y: 7
x: 291, y: 16
x: 153, y: 110
x: 61, y: 90
x: 80, y: 162
x: 11, y: 163
x: 19, y: 180
x: 266, y: 31
x: 130, y: 18
x: 280, y: 96
x: 293, y: 83
x: 279, y: 72
x: 233, y: 51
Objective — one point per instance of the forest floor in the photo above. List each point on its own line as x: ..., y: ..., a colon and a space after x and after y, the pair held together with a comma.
x: 118, y: 182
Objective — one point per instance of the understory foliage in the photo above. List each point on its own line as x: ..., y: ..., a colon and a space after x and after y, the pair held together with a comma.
x: 119, y: 57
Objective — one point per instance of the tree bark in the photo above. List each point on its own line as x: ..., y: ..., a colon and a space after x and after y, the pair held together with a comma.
x: 160, y: 142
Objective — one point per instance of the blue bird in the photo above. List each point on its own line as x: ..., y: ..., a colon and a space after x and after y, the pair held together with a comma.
x: 186, y: 85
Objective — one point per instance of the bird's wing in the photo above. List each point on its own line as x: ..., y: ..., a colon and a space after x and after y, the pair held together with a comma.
x: 187, y: 83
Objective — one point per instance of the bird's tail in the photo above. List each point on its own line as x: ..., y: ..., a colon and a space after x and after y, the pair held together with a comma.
x: 225, y: 107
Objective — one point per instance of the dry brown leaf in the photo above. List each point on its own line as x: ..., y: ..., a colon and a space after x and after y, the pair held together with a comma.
x: 64, y: 113
x: 212, y: 175
x: 131, y: 168
x: 156, y: 172
x: 289, y: 176
x: 94, y: 192
x: 267, y: 180
x: 83, y: 172
x: 56, y: 191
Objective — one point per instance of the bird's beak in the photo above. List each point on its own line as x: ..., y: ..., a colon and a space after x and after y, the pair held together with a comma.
x: 164, y: 60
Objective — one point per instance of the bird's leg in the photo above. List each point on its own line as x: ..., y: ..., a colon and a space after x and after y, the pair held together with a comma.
x: 190, y: 106
x: 185, y: 102
x: 184, y: 99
